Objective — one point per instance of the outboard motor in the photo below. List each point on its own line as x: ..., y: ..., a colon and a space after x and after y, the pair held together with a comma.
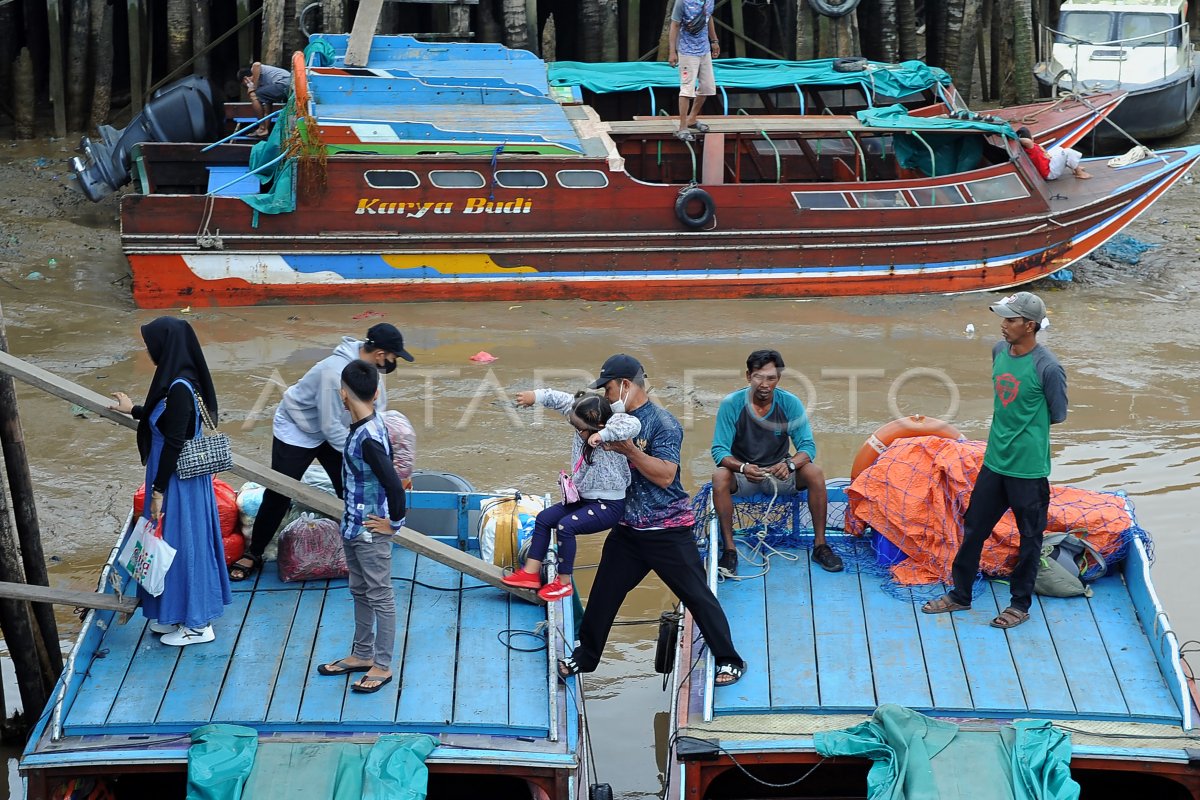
x: 181, y: 112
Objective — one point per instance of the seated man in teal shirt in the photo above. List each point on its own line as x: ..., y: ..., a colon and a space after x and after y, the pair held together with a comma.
x: 750, y: 448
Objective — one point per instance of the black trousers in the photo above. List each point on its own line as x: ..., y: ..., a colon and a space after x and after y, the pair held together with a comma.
x: 1029, y: 499
x: 628, y: 556
x: 291, y: 461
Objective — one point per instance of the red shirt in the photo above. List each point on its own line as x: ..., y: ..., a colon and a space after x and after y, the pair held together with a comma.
x: 1037, y: 154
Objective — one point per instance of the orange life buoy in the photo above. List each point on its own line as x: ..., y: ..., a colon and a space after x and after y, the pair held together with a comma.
x: 300, y: 81
x: 903, y: 428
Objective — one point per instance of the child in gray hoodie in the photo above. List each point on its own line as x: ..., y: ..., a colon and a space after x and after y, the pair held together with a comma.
x: 600, y: 476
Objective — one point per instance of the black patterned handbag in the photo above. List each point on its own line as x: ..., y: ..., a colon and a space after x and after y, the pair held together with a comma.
x: 204, y: 454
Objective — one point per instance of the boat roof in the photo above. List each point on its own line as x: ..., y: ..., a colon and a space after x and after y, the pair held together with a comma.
x: 1121, y: 5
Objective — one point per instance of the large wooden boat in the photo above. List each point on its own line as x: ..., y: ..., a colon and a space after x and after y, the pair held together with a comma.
x: 825, y: 650
x: 485, y: 188
x: 506, y: 728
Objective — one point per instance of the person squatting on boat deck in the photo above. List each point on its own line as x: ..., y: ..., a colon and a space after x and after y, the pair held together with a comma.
x: 655, y: 532
x: 750, y: 449
x: 265, y: 84
x: 375, y: 510
x: 693, y: 46
x: 1030, y: 395
x: 197, y: 586
x: 600, y: 477
x: 312, y: 423
x: 1053, y: 162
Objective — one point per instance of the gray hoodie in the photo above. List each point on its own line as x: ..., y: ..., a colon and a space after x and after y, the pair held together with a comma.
x: 312, y: 412
x: 607, y: 477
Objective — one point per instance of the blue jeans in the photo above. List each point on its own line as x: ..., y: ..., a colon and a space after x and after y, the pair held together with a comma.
x: 586, y: 516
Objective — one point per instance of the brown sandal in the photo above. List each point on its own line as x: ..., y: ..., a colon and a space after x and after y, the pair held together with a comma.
x: 943, y: 604
x: 1009, y: 618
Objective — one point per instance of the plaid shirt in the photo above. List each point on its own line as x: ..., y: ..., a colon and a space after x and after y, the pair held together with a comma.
x: 365, y: 493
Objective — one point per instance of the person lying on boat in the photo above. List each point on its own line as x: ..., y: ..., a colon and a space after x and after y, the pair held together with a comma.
x: 1030, y: 395
x: 312, y: 423
x: 655, y: 532
x: 265, y: 85
x: 1052, y: 163
x: 375, y: 507
x: 693, y: 46
x: 750, y: 449
x: 598, y: 479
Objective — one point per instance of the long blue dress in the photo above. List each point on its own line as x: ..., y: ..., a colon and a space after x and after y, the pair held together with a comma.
x: 197, y: 585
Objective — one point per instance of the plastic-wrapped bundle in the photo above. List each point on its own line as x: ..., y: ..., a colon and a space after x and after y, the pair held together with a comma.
x: 506, y: 523
x: 310, y: 549
x: 249, y: 498
x: 404, y: 443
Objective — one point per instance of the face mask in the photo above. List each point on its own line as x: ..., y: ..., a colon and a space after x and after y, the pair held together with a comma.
x: 619, y: 406
x: 388, y: 367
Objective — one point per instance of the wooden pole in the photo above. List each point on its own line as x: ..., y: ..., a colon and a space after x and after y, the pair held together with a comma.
x: 302, y: 493
x: 333, y: 15
x: 906, y: 18
x: 590, y: 41
x: 201, y: 33
x: 77, y: 64
x: 42, y: 595
x: 102, y: 62
x: 633, y: 29
x: 366, y: 22
x: 609, y: 31
x: 17, y: 626
x: 58, y: 94
x: 16, y: 464
x: 179, y: 32
x: 134, y: 12
x: 272, y: 33
x: 516, y: 24
x: 24, y: 98
x: 739, y: 29
x: 531, y: 25
x: 459, y: 21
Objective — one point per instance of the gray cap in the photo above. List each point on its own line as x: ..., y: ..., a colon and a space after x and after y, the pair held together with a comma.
x: 1021, y: 304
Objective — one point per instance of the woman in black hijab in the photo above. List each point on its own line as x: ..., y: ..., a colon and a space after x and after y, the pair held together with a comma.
x: 197, y: 585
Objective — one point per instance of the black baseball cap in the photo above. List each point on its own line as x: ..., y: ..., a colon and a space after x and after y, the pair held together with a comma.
x: 386, y: 336
x: 618, y: 367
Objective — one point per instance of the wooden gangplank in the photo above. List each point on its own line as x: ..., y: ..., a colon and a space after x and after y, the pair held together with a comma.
x: 34, y: 593
x: 252, y: 470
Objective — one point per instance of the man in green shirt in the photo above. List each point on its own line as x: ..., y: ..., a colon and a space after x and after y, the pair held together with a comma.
x: 1030, y: 395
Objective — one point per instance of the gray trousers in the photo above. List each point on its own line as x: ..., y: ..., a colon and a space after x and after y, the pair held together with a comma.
x: 370, y: 566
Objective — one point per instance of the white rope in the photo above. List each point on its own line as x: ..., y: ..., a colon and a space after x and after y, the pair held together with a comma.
x: 1135, y: 154
x: 761, y: 548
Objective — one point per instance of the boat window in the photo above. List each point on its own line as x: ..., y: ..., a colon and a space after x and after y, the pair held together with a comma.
x: 582, y: 179
x: 391, y: 179
x: 833, y: 147
x: 1148, y: 29
x: 456, y: 179
x: 785, y: 147
x: 1084, y: 27
x: 1001, y: 187
x: 840, y: 101
x: 883, y: 198
x: 938, y: 196
x: 520, y: 179
x: 820, y: 200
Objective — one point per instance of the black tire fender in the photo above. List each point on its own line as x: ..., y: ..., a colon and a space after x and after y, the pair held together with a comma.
x: 833, y: 8
x: 708, y: 211
x: 850, y: 64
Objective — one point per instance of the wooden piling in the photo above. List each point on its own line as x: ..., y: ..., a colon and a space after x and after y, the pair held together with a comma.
x: 610, y: 40
x: 272, y: 32
x: 58, y: 95
x: 102, y: 62
x: 806, y: 32
x: 17, y: 626
x: 590, y: 44
x: 201, y: 33
x: 531, y: 26
x: 246, y: 34
x: 179, y: 32
x: 633, y: 30
x: 458, y: 21
x: 516, y: 24
x: 136, y: 78
x: 24, y: 99
x: 333, y: 16
x: 739, y: 28
x: 906, y: 22
x: 1026, y: 90
x: 77, y: 84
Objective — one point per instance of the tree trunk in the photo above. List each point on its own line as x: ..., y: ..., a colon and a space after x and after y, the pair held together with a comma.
x: 1023, y: 51
x: 293, y: 38
x: 179, y: 33
x: 516, y: 24
x: 549, y: 40
x: 590, y: 43
x: 77, y: 64
x: 935, y: 33
x: 952, y: 34
x: 7, y: 58
x: 887, y: 34
x: 24, y: 102
x: 962, y: 24
x: 487, y: 29
x: 102, y: 62
x: 201, y: 34
x: 610, y: 39
x: 1002, y: 51
x: 906, y: 26
x: 333, y: 16
x: 664, y: 36
x: 806, y: 32
x: 459, y: 17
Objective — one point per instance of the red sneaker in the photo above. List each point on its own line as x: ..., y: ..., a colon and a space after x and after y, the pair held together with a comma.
x: 555, y: 590
x: 521, y: 579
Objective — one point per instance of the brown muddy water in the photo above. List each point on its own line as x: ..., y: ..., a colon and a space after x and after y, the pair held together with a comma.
x: 1126, y: 334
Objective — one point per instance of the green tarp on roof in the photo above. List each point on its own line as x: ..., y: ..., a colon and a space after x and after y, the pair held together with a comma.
x: 890, y: 80
x: 897, y: 116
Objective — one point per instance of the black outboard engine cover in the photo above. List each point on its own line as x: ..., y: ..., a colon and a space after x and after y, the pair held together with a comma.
x: 181, y: 112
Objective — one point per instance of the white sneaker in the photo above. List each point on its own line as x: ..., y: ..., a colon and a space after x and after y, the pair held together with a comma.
x: 158, y: 627
x: 184, y: 636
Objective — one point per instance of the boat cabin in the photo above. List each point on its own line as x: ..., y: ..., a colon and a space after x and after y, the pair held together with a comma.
x: 1125, y: 43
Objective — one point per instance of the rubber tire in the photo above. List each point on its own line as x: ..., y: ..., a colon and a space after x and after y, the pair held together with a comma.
x: 687, y: 196
x: 850, y: 64
x: 833, y: 8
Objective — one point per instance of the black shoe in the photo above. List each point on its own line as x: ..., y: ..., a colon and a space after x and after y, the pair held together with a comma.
x: 728, y: 562
x: 830, y: 561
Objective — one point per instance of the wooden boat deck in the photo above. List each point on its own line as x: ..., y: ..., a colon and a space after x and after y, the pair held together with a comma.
x: 827, y: 643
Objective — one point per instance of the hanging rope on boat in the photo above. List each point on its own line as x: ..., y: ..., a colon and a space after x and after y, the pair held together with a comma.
x: 762, y: 552
x: 495, y: 160
x: 206, y: 239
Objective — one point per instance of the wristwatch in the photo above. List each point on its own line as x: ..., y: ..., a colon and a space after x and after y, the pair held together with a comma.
x: 791, y: 465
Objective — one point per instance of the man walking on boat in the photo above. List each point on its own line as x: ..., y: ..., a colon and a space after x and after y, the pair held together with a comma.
x: 1030, y: 391
x: 750, y: 448
x: 693, y: 42
x: 655, y: 532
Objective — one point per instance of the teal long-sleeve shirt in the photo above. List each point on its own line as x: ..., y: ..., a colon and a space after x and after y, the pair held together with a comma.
x: 763, y: 441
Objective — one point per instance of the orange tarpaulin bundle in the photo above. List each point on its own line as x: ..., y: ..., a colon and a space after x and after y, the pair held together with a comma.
x: 916, y: 493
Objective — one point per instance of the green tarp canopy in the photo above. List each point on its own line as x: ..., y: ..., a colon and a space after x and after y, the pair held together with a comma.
x: 889, y: 80
x: 930, y: 144
x: 920, y: 758
x: 897, y: 116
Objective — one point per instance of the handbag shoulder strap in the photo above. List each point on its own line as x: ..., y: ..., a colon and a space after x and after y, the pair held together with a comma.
x: 205, y: 418
x: 575, y: 468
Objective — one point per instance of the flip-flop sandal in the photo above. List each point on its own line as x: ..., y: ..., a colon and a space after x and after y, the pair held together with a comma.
x: 340, y: 667
x: 379, y: 684
x: 734, y: 670
x: 244, y: 572
x: 700, y: 126
x: 568, y: 667
x: 1009, y: 618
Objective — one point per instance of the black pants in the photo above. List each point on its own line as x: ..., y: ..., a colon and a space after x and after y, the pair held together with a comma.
x: 291, y: 461
x: 629, y: 555
x: 1029, y: 499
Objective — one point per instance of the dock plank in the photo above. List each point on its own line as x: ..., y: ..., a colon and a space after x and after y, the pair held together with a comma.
x: 1035, y: 657
x: 427, y: 685
x: 189, y: 701
x: 528, y: 690
x: 995, y: 687
x: 145, y: 684
x: 298, y: 660
x: 1085, y: 662
x: 746, y: 602
x: 943, y: 663
x: 481, y: 672
x: 257, y: 658
x: 841, y: 635
x: 104, y: 676
x: 790, y: 640
x: 896, y: 655
x: 323, y: 694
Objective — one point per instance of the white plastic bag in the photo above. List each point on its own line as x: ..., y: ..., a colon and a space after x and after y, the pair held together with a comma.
x: 505, y: 525
x: 146, y: 557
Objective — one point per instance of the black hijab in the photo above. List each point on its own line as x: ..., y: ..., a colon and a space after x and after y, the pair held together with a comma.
x: 173, y: 346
